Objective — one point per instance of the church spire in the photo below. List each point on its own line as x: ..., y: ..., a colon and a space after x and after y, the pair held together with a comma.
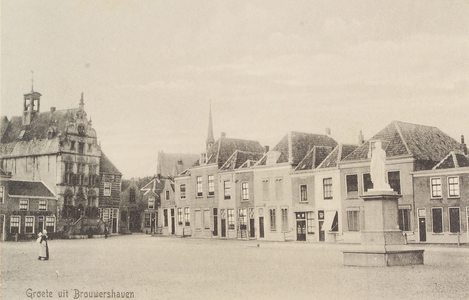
x: 210, y: 140
x: 82, y: 103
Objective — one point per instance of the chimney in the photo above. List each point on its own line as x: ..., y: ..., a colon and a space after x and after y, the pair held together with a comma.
x: 361, y: 138
x: 328, y: 131
x: 266, y: 149
x: 463, y: 145
x: 52, y: 109
x: 223, y: 134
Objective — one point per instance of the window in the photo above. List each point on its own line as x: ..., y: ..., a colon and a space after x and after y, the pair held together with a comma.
x: 245, y: 191
x: 265, y: 189
x: 211, y: 185
x: 68, y: 178
x: 279, y: 188
x: 165, y: 217
x: 81, y: 173
x: 15, y: 224
x: 437, y: 221
x: 394, y: 180
x: 367, y: 183
x: 404, y: 219
x: 207, y: 219
x: 2, y: 194
x: 42, y: 204
x: 167, y: 195
x: 273, y: 223
x: 132, y: 195
x: 147, y: 219
x: 285, y: 219
x: 199, y: 186
x: 303, y: 193
x: 151, y: 202
x: 353, y: 220
x: 72, y: 145
x: 327, y: 187
x: 454, y: 221
x: 231, y: 224
x: 179, y: 215
x: 29, y: 224
x: 310, y: 221
x: 81, y: 148
x: 92, y: 175
x: 24, y: 204
x: 352, y: 185
x: 453, y: 186
x: 335, y: 222
x: 182, y: 191
x: 89, y: 147
x: 227, y: 189
x: 243, y: 219
x: 187, y: 216
x: 50, y: 224
x: 107, y: 189
x: 436, y: 187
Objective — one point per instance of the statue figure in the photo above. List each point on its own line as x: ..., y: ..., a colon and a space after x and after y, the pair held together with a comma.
x: 378, y: 168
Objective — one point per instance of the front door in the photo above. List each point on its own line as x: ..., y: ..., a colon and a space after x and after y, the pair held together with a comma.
x: 322, y: 233
x: 153, y: 222
x: 173, y: 224
x: 223, y: 227
x: 261, y: 227
x: 40, y: 224
x: 301, y: 230
x: 215, y: 221
x: 422, y: 230
x: 252, y: 230
x: 2, y: 227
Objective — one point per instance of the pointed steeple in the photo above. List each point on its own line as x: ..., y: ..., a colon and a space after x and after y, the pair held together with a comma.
x: 82, y: 102
x: 210, y: 140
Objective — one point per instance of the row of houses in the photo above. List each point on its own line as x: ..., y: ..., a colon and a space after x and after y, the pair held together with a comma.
x: 54, y: 174
x: 308, y: 188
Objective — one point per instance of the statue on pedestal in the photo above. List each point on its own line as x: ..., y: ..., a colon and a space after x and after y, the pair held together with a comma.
x: 378, y: 168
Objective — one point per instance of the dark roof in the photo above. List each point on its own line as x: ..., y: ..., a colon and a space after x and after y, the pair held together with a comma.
x: 454, y: 159
x: 239, y: 158
x: 156, y: 185
x: 422, y: 142
x: 39, y: 126
x: 314, y: 158
x: 224, y: 147
x: 171, y: 164
x: 29, y: 189
x: 294, y: 146
x: 106, y: 166
x: 338, y: 154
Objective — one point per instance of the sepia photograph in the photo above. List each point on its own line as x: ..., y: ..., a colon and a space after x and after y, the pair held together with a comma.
x: 212, y: 149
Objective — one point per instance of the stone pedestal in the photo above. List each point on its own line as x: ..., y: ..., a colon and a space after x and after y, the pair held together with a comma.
x: 383, y: 243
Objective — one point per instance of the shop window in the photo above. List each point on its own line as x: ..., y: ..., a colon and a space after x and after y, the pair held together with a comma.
x: 231, y: 223
x: 437, y: 220
x: 179, y: 215
x: 310, y: 222
x: 187, y: 216
x: 243, y: 218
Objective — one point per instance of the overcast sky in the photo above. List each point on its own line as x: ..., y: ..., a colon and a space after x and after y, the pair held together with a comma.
x: 148, y: 69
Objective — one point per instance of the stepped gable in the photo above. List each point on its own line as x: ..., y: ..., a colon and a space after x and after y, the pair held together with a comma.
x: 294, y: 146
x: 454, y: 159
x: 239, y: 158
x: 29, y: 188
x: 106, y: 166
x: 224, y: 147
x: 425, y: 143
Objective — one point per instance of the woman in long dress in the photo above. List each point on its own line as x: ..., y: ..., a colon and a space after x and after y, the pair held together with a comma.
x: 43, y: 247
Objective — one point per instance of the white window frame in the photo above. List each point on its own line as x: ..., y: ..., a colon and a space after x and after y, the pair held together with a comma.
x: 107, y: 189
x: 211, y: 185
x: 431, y: 188
x: 19, y: 223
x: 306, y: 193
x: 199, y: 186
x: 187, y: 216
x: 42, y: 203
x: 449, y: 219
x: 182, y: 194
x: 458, y: 187
x: 245, y: 190
x: 151, y: 202
x: 25, y: 223
x: 180, y: 216
x: 227, y: 190
x: 46, y: 221
x: 330, y: 189
x: 27, y: 204
x: 347, y: 187
x: 2, y: 194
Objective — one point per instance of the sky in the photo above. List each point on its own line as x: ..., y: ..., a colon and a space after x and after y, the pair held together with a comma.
x: 150, y: 69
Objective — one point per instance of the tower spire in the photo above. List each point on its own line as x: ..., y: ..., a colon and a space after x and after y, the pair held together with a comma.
x: 210, y: 140
x: 82, y: 102
x: 32, y: 81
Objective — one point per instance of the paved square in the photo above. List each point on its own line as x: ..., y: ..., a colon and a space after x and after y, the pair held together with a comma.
x: 186, y: 268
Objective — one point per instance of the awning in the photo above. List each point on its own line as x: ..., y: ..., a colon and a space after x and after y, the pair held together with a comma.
x: 329, y: 222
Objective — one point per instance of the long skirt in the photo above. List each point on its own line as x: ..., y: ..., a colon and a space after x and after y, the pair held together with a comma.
x: 43, y: 250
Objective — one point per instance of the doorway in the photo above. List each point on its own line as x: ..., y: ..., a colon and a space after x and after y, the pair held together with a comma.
x: 215, y: 221
x: 223, y: 227
x: 261, y: 227
x: 322, y: 232
x: 252, y: 230
x: 301, y: 230
x: 173, y: 224
x: 422, y: 230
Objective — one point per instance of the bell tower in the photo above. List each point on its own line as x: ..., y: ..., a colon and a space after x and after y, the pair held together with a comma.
x: 31, y: 104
